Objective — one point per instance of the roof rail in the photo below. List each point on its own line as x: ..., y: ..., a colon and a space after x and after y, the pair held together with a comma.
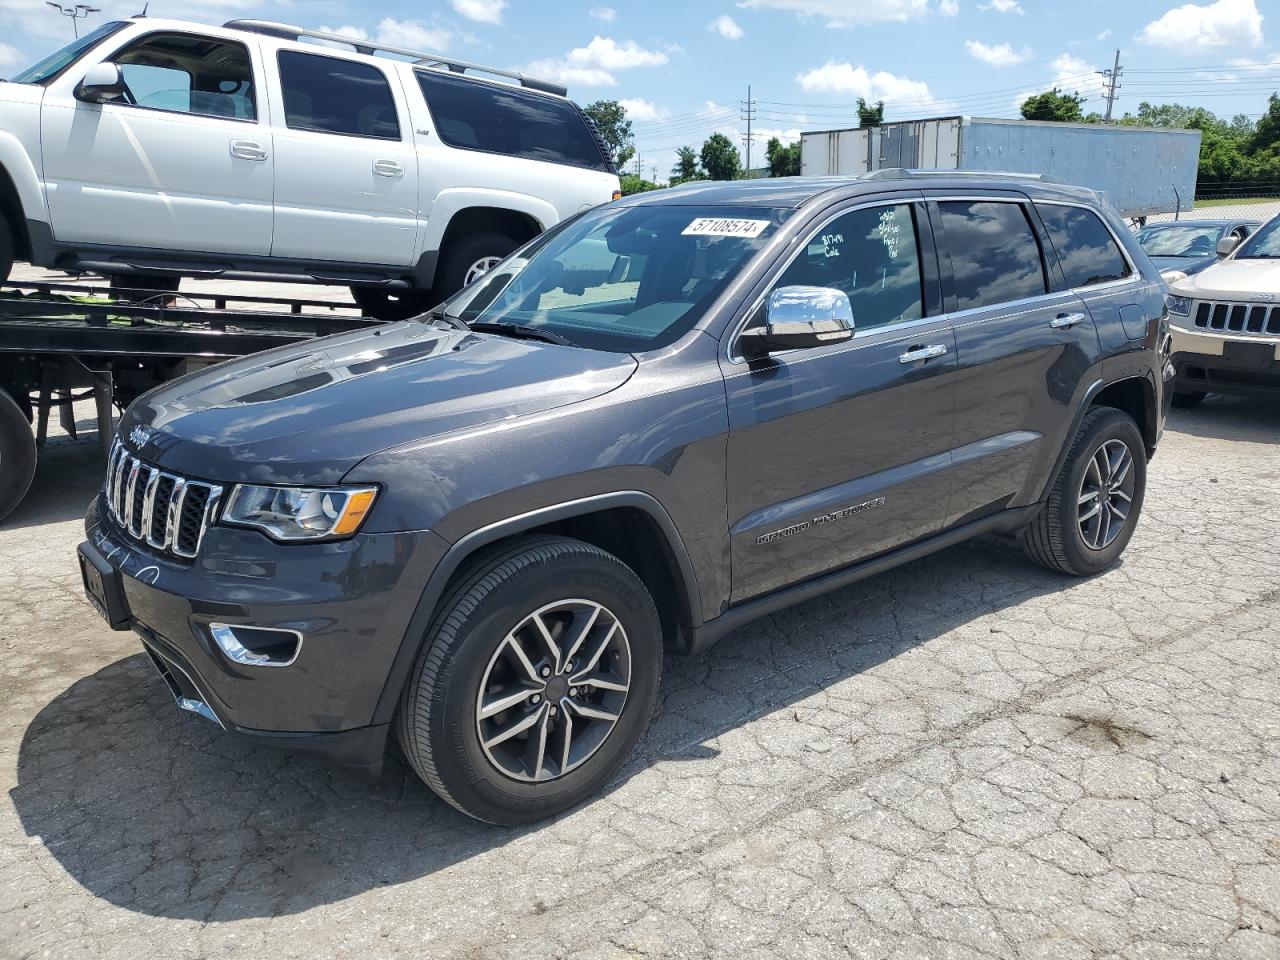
x: 905, y: 173
x: 286, y: 31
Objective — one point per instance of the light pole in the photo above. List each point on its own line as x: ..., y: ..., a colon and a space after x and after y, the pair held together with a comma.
x: 76, y: 13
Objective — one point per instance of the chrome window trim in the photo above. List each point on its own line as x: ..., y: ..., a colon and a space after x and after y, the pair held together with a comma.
x: 731, y: 341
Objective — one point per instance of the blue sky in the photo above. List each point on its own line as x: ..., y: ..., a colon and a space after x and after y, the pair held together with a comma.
x: 682, y: 68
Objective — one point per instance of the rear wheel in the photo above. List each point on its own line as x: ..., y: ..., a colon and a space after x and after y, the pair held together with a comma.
x: 1188, y: 399
x: 17, y: 454
x: 538, y: 675
x: 1096, y: 499
x: 468, y: 259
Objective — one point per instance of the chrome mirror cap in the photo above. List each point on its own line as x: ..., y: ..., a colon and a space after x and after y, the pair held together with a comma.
x: 799, y: 317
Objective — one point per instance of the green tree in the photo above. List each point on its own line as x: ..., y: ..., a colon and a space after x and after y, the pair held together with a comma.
x: 1054, y: 105
x: 1266, y: 133
x: 720, y: 158
x: 610, y: 118
x: 686, y: 167
x: 783, y: 161
x: 634, y: 183
x: 869, y: 116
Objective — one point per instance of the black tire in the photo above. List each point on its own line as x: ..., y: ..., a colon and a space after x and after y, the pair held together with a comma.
x: 437, y: 721
x: 1189, y: 399
x: 17, y: 454
x: 392, y: 305
x: 462, y: 254
x: 1055, y: 539
x: 8, y: 249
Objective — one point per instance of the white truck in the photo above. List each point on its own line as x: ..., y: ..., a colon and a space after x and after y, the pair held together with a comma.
x: 151, y: 150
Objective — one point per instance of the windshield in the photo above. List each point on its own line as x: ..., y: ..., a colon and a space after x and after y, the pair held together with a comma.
x: 622, y: 279
x: 55, y: 63
x: 1263, y: 245
x: 1180, y: 241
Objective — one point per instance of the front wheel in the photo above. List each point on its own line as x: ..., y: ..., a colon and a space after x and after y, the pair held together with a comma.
x: 1096, y: 499
x: 469, y: 259
x: 536, y: 679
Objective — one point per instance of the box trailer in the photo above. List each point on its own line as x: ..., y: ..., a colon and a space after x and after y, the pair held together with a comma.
x: 1143, y: 170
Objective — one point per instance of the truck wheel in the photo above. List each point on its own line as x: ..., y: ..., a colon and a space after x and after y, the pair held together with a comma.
x: 1096, y: 499
x: 470, y: 258
x: 1189, y: 399
x: 17, y: 454
x: 7, y: 249
x: 538, y: 675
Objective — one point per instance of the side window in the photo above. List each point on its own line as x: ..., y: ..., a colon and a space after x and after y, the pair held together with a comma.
x: 1086, y: 250
x: 995, y: 257
x: 473, y: 115
x: 185, y: 73
x: 872, y: 255
x: 333, y: 95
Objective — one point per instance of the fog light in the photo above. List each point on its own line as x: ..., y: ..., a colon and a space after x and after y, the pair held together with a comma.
x: 257, y: 646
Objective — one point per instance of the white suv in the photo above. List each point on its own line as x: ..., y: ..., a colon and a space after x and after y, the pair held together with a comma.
x: 1225, y: 322
x: 152, y: 149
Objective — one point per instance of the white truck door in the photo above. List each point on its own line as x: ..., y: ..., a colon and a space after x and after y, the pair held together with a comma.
x: 346, y: 167
x: 181, y: 161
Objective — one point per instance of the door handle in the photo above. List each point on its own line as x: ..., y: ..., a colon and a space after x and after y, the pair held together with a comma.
x: 248, y: 150
x: 923, y: 353
x: 1065, y: 321
x: 388, y: 168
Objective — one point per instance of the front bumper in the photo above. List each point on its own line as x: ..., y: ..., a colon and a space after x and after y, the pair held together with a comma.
x: 351, y: 600
x: 1225, y: 363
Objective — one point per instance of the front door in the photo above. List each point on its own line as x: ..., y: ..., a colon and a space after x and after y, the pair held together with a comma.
x: 841, y: 452
x: 346, y: 165
x: 182, y: 162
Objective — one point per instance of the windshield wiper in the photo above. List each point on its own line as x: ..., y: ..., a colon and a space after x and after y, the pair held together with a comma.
x: 456, y: 322
x: 521, y: 330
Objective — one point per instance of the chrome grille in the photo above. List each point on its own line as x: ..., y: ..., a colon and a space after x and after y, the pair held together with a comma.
x: 1238, y: 317
x: 163, y: 510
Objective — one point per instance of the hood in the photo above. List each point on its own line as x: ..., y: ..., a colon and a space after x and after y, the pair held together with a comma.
x: 1248, y: 280
x: 310, y: 411
x: 1185, y: 264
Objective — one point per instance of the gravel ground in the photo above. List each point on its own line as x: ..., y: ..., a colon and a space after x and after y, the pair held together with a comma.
x: 967, y: 757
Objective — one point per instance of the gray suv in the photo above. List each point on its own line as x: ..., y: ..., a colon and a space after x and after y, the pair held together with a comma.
x: 479, y: 529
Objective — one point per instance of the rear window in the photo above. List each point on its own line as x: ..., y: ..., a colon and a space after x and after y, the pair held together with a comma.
x: 1086, y: 250
x: 471, y: 115
x: 332, y: 95
x: 995, y: 257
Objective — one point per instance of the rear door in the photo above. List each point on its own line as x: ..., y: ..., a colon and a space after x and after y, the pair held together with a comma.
x: 1024, y: 346
x: 181, y: 163
x: 346, y: 183
x: 840, y: 452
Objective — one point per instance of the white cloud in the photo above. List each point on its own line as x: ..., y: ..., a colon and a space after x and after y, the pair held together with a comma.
x: 37, y: 19
x: 997, y: 55
x: 411, y: 34
x: 607, y: 14
x: 1103, y: 35
x: 726, y: 27
x: 948, y: 8
x: 1003, y: 6
x: 1225, y: 23
x: 642, y: 110
x: 845, y: 78
x: 595, y: 64
x: 1070, y: 75
x: 481, y: 11
x: 10, y: 56
x: 840, y: 13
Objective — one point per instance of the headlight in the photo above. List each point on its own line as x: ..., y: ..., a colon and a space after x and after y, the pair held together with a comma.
x: 1172, y: 276
x: 1179, y: 305
x: 299, y: 513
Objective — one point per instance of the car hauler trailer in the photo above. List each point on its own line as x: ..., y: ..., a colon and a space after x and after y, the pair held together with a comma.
x: 1143, y: 170
x: 64, y: 342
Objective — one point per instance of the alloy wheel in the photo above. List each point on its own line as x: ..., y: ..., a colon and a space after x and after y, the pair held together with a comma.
x: 479, y: 269
x: 1106, y: 494
x: 553, y: 690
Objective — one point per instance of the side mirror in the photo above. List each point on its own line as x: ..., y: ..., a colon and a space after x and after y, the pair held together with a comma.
x: 800, y: 317
x: 102, y: 83
x: 1227, y: 245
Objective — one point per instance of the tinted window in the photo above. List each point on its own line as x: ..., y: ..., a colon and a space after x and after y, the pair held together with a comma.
x: 994, y: 254
x: 189, y: 74
x: 332, y: 95
x: 1086, y: 250
x: 870, y: 254
x: 507, y: 120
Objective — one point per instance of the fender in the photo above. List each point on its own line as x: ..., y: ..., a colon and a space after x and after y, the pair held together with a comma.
x: 466, y: 547
x: 16, y: 162
x: 449, y: 203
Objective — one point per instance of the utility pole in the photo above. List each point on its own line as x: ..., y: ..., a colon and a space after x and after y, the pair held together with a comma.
x: 748, y: 114
x: 1113, y: 84
x: 76, y: 13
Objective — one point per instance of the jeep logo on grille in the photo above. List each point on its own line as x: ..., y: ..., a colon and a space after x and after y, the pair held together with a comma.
x: 139, y: 435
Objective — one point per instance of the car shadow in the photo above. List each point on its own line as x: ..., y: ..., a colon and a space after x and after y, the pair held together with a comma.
x: 157, y: 812
x: 1220, y: 417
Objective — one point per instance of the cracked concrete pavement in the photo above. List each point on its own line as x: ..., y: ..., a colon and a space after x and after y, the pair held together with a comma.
x: 967, y: 757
